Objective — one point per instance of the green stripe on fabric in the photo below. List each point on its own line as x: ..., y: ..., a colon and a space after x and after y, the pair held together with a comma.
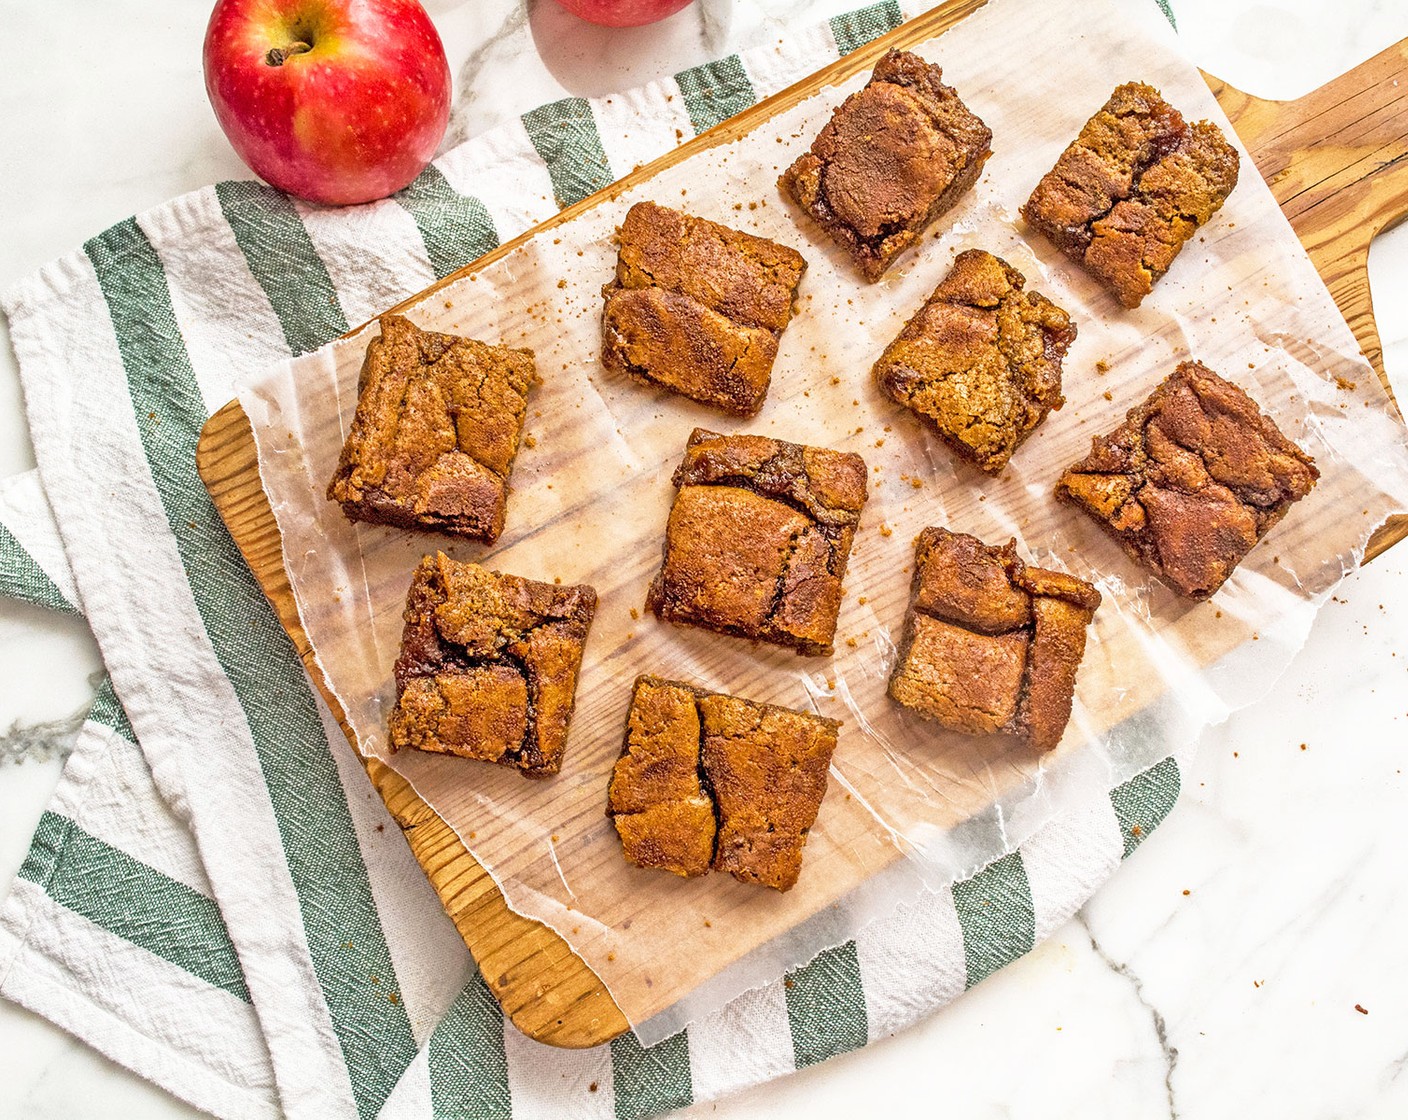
x: 715, y: 91
x: 279, y: 252
x: 647, y: 1082
x: 456, y: 228
x: 344, y: 933
x: 826, y: 1006
x: 468, y: 1067
x: 565, y: 135
x: 107, y: 711
x: 1144, y: 801
x: 22, y: 578
x: 854, y: 29
x: 132, y: 901
x: 997, y: 916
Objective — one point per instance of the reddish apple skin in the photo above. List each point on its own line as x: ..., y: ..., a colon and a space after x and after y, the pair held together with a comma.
x: 353, y: 118
x: 624, y: 13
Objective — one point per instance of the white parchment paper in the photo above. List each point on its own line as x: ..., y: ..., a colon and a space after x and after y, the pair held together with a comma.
x: 909, y: 804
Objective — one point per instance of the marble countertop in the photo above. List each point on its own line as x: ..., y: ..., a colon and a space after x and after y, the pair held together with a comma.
x: 1245, y: 962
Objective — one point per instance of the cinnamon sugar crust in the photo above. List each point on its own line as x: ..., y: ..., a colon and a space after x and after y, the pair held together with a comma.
x: 1191, y: 480
x: 894, y: 157
x: 437, y: 427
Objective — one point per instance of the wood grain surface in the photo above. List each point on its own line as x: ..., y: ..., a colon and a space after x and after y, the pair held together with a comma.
x: 1337, y: 162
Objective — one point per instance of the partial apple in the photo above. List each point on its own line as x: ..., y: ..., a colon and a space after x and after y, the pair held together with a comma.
x: 624, y: 13
x: 336, y: 101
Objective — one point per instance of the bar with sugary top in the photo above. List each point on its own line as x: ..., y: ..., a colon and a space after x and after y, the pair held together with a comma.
x: 991, y: 645
x: 758, y: 537
x: 710, y: 781
x: 488, y: 665
x: 697, y: 308
x: 894, y: 158
x: 437, y: 427
x: 1191, y: 480
x: 1132, y: 188
x: 980, y: 362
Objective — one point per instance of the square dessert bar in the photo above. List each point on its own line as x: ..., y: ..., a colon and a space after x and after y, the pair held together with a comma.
x: 707, y: 781
x: 758, y: 538
x: 697, y: 307
x: 980, y: 362
x: 990, y: 644
x: 1191, y: 480
x: 436, y: 430
x: 892, y: 159
x: 1132, y: 188
x: 488, y: 665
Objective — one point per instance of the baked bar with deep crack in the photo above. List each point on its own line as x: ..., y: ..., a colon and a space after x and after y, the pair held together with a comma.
x: 697, y: 308
x: 1191, y: 480
x: 758, y: 537
x: 488, y: 665
x: 437, y: 427
x: 1132, y: 188
x: 711, y: 781
x: 980, y: 362
x: 894, y: 157
x: 990, y: 644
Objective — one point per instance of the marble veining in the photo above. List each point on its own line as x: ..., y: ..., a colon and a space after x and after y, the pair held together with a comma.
x: 1160, y: 1025
x: 39, y: 742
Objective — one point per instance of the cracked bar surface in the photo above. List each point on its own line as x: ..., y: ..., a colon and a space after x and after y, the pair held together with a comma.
x: 980, y: 362
x: 1132, y: 188
x: 697, y: 308
x: 435, y: 434
x: 1191, y: 480
x: 710, y: 781
x: 991, y: 645
x: 758, y: 538
x: 893, y: 158
x: 488, y: 665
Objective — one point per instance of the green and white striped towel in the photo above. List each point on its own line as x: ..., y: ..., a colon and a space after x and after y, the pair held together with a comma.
x: 227, y: 909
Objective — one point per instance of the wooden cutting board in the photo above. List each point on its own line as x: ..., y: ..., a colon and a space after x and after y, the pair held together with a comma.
x: 1337, y: 162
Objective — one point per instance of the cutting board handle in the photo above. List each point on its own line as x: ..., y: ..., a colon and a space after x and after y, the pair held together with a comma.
x: 1337, y: 162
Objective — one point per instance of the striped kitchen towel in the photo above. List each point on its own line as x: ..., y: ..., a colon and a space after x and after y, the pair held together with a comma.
x: 216, y: 897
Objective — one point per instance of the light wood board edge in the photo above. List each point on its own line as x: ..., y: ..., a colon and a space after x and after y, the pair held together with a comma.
x: 1336, y: 202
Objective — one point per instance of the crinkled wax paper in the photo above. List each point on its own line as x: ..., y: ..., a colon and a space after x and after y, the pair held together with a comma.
x: 908, y: 804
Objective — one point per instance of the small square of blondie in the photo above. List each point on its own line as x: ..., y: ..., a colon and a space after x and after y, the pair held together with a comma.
x: 435, y: 434
x: 1132, y: 188
x: 990, y: 644
x: 893, y: 158
x: 710, y: 781
x: 488, y: 665
x: 980, y: 362
x: 697, y: 308
x: 758, y: 538
x: 1191, y: 480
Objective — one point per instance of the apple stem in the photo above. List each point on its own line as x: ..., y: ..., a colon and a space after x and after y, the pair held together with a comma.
x: 278, y: 55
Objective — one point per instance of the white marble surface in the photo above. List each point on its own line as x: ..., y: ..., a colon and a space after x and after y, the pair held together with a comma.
x: 1216, y: 976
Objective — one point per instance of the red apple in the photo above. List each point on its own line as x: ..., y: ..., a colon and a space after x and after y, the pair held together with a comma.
x: 336, y: 101
x: 624, y: 13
